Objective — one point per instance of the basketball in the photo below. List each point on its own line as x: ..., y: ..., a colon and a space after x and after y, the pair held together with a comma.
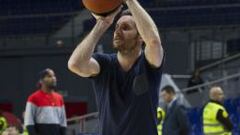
x: 102, y: 7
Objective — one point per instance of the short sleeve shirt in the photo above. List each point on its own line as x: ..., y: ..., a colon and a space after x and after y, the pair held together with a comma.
x: 127, y: 101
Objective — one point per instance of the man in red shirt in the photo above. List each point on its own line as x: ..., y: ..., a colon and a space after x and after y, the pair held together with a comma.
x: 45, y: 112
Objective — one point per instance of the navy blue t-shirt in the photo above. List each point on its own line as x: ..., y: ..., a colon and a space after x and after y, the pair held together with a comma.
x: 127, y: 101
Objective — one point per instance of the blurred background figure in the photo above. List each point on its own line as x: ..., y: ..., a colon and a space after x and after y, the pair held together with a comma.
x: 11, y: 131
x: 3, y: 123
x: 160, y: 117
x: 175, y: 122
x: 195, y: 79
x: 9, y: 120
x: 25, y: 131
x: 215, y: 117
x: 45, y: 112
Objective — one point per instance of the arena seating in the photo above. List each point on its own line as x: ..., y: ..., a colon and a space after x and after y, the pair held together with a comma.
x: 195, y: 119
x: 233, y: 46
x: 179, y: 3
x: 25, y: 7
x: 27, y: 17
x: 38, y: 25
x: 228, y: 16
x: 196, y: 17
x: 45, y: 17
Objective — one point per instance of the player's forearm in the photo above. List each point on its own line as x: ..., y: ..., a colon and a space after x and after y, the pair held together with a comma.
x: 146, y: 26
x: 85, y: 49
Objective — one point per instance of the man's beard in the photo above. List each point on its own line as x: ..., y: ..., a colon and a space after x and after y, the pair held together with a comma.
x: 121, y: 45
x: 52, y: 86
x: 124, y: 48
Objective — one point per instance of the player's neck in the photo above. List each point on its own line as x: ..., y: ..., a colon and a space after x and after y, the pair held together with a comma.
x: 46, y: 89
x: 127, y: 60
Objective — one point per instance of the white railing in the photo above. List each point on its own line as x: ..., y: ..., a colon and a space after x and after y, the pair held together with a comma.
x: 79, y: 118
x: 220, y: 62
x: 194, y: 7
x: 198, y: 95
x: 181, y: 76
x: 237, y: 75
x: 79, y: 124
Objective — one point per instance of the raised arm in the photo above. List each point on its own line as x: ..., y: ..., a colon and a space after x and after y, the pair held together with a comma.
x: 81, y: 61
x: 148, y: 31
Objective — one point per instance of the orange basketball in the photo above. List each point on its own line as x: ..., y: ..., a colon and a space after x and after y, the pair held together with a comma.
x: 102, y: 7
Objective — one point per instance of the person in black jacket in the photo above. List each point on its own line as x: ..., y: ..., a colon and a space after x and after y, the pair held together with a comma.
x: 176, y: 121
x: 195, y: 79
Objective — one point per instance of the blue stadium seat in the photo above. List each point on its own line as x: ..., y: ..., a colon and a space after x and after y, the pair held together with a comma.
x: 23, y: 7
x: 195, y: 118
x: 32, y: 17
x: 179, y: 3
x: 196, y: 17
x: 230, y: 106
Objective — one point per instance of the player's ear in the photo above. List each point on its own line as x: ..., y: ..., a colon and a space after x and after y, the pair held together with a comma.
x: 140, y: 40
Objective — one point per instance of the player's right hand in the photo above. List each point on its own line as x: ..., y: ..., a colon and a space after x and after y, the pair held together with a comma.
x: 107, y: 20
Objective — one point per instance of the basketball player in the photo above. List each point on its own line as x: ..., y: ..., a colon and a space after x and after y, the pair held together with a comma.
x: 126, y: 83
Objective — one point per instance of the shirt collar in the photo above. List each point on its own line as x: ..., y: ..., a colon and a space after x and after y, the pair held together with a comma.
x: 170, y: 104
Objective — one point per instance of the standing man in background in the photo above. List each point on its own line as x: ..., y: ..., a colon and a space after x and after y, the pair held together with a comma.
x: 195, y: 79
x: 176, y: 121
x: 215, y: 116
x: 45, y: 112
x: 126, y: 83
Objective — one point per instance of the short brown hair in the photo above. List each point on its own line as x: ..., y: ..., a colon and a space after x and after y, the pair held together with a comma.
x: 168, y: 89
